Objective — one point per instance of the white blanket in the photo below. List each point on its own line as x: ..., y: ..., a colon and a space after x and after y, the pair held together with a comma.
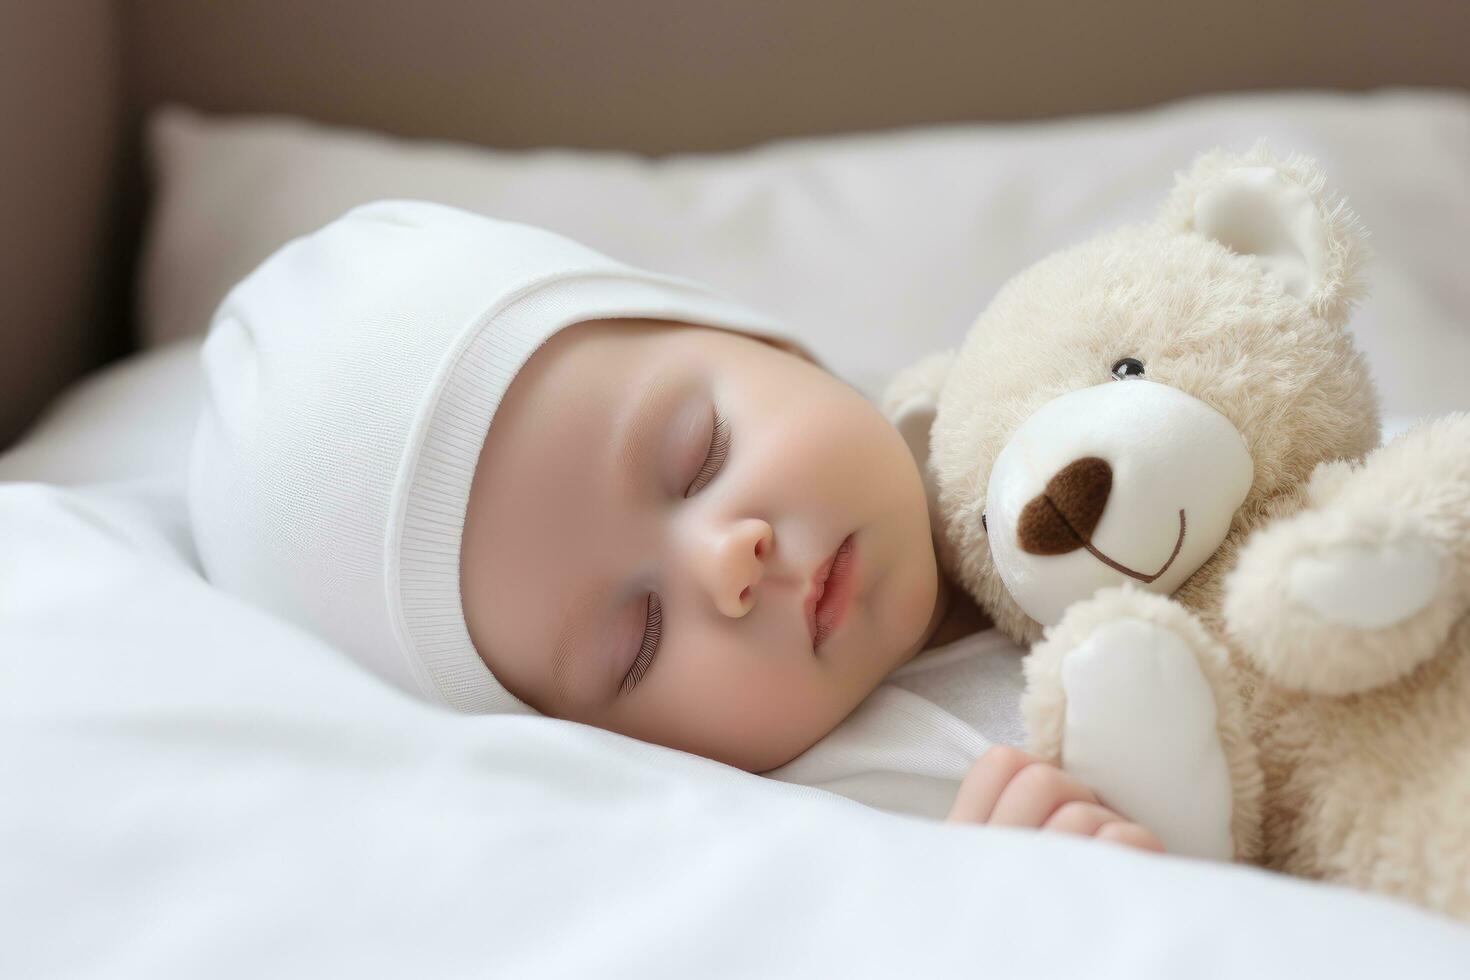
x: 192, y: 788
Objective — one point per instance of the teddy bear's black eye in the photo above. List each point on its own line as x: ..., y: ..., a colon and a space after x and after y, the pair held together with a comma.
x: 983, y: 526
x: 1128, y: 367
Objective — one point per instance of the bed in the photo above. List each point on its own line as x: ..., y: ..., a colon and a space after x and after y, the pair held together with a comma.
x: 192, y: 787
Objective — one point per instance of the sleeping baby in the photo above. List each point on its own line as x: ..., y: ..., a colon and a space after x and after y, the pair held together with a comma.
x: 679, y: 527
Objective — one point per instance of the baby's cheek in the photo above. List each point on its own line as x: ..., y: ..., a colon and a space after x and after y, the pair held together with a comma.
x: 756, y: 698
x: 842, y: 454
x: 757, y: 677
x: 913, y: 590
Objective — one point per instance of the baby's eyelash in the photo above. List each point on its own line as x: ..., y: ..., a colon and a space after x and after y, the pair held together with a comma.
x: 653, y: 628
x: 719, y: 448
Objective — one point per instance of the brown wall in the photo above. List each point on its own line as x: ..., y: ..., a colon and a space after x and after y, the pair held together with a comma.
x: 78, y: 76
x: 60, y: 106
x: 665, y: 75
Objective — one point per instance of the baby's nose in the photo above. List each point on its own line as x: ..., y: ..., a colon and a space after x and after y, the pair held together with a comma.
x: 738, y: 565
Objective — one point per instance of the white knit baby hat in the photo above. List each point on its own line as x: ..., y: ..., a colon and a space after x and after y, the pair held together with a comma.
x: 350, y: 382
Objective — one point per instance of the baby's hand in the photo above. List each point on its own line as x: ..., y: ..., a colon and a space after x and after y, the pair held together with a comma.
x: 1010, y: 788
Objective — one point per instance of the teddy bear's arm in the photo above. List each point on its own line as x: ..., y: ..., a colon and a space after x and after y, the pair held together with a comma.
x: 1131, y: 695
x: 1365, y: 583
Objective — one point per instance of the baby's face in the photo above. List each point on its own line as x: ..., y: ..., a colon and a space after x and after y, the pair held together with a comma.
x: 654, y: 506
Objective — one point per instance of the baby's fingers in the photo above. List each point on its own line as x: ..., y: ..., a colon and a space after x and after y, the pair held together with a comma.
x: 1035, y: 794
x: 1080, y: 818
x: 1130, y: 835
x: 1096, y: 820
x: 987, y: 778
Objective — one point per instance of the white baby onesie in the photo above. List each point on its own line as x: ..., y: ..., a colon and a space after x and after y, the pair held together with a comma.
x: 909, y: 744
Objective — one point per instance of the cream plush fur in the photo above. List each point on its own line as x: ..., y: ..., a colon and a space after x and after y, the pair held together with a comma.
x: 1302, y: 697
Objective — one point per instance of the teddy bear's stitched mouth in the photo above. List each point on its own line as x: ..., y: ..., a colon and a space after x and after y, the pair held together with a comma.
x: 1083, y: 542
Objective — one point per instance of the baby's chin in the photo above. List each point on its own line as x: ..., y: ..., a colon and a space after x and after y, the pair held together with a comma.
x: 777, y: 755
x: 896, y: 620
x: 912, y: 604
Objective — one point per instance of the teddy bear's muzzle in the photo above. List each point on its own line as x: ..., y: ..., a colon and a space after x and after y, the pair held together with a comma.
x: 1063, y: 516
x: 1130, y: 481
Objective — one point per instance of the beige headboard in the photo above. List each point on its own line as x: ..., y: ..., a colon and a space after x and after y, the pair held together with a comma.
x: 658, y: 76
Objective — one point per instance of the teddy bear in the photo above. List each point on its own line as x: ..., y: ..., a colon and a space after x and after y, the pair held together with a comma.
x: 1154, y: 457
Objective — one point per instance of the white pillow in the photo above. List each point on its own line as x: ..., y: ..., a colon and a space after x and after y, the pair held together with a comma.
x: 874, y: 248
x: 133, y: 419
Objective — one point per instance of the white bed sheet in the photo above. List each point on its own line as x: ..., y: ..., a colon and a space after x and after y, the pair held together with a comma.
x: 193, y: 788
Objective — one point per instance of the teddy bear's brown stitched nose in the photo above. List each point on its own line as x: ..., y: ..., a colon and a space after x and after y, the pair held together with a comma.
x: 1063, y: 516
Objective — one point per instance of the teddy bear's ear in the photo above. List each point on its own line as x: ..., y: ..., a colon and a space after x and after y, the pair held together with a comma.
x: 1279, y: 212
x: 911, y: 402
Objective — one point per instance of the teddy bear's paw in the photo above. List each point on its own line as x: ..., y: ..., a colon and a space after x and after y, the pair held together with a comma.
x: 1337, y: 617
x: 1134, y: 716
x: 1366, y: 585
x: 1140, y: 730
